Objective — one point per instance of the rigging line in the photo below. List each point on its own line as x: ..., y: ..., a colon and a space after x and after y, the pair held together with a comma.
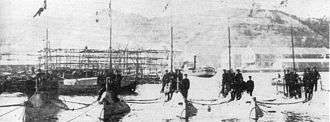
x: 10, y: 111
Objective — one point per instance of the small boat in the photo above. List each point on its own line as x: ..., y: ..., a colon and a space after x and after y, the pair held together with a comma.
x: 78, y: 86
x: 91, y: 85
x: 204, y: 72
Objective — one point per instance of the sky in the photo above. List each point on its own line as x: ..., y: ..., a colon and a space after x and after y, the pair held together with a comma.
x: 18, y: 27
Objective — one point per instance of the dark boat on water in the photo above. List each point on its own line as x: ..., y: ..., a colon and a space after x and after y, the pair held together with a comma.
x: 89, y: 82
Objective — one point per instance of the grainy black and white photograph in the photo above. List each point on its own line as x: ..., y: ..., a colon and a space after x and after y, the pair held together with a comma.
x: 164, y: 60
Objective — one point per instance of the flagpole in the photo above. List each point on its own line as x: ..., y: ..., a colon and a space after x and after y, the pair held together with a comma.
x: 229, y: 46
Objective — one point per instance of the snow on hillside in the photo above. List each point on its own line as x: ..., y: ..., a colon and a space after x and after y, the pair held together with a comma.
x: 203, y: 34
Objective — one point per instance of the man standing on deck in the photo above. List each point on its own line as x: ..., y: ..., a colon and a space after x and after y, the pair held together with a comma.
x: 231, y: 78
x: 224, y: 84
x: 250, y: 86
x: 165, y: 80
x: 297, y: 85
x: 173, y: 85
x: 308, y: 85
x: 293, y: 81
x: 239, y: 84
x: 180, y: 75
x: 184, y: 86
x: 315, y: 77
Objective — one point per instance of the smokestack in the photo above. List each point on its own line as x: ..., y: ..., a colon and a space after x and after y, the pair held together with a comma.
x: 194, y: 62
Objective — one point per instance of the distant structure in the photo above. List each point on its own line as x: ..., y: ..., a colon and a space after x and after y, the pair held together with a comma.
x: 277, y: 58
x: 124, y: 59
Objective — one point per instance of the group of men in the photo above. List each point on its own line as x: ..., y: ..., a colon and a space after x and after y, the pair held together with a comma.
x: 233, y: 82
x: 175, y: 82
x: 112, y: 80
x: 294, y: 84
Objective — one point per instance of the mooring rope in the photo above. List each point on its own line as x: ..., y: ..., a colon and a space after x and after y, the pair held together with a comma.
x: 270, y: 103
x: 269, y: 100
x: 76, y: 102
x: 155, y: 99
x: 209, y: 104
x: 21, y: 104
x: 10, y: 111
x: 73, y: 109
x: 134, y: 102
x: 203, y: 100
x: 80, y: 114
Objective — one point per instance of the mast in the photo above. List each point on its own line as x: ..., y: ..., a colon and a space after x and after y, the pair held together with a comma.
x: 171, y: 48
x: 292, y: 47
x: 229, y: 48
x: 46, y: 50
x: 137, y: 64
x: 110, y: 34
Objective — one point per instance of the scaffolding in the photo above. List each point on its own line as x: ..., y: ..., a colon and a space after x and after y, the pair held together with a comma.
x: 128, y: 61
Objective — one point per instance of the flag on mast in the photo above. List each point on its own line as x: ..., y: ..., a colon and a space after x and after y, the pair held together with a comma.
x: 41, y: 9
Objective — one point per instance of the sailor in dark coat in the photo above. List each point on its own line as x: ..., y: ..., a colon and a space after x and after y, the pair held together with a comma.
x: 179, y: 75
x: 165, y: 80
x: 315, y: 77
x: 250, y: 86
x: 239, y: 84
x: 184, y: 86
x: 232, y: 82
x: 308, y: 85
x: 224, y: 84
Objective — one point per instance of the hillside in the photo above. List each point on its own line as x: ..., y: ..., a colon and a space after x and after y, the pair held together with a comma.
x: 204, y: 34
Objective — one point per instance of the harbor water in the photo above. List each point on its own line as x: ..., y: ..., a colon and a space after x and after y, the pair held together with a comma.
x: 202, y: 89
